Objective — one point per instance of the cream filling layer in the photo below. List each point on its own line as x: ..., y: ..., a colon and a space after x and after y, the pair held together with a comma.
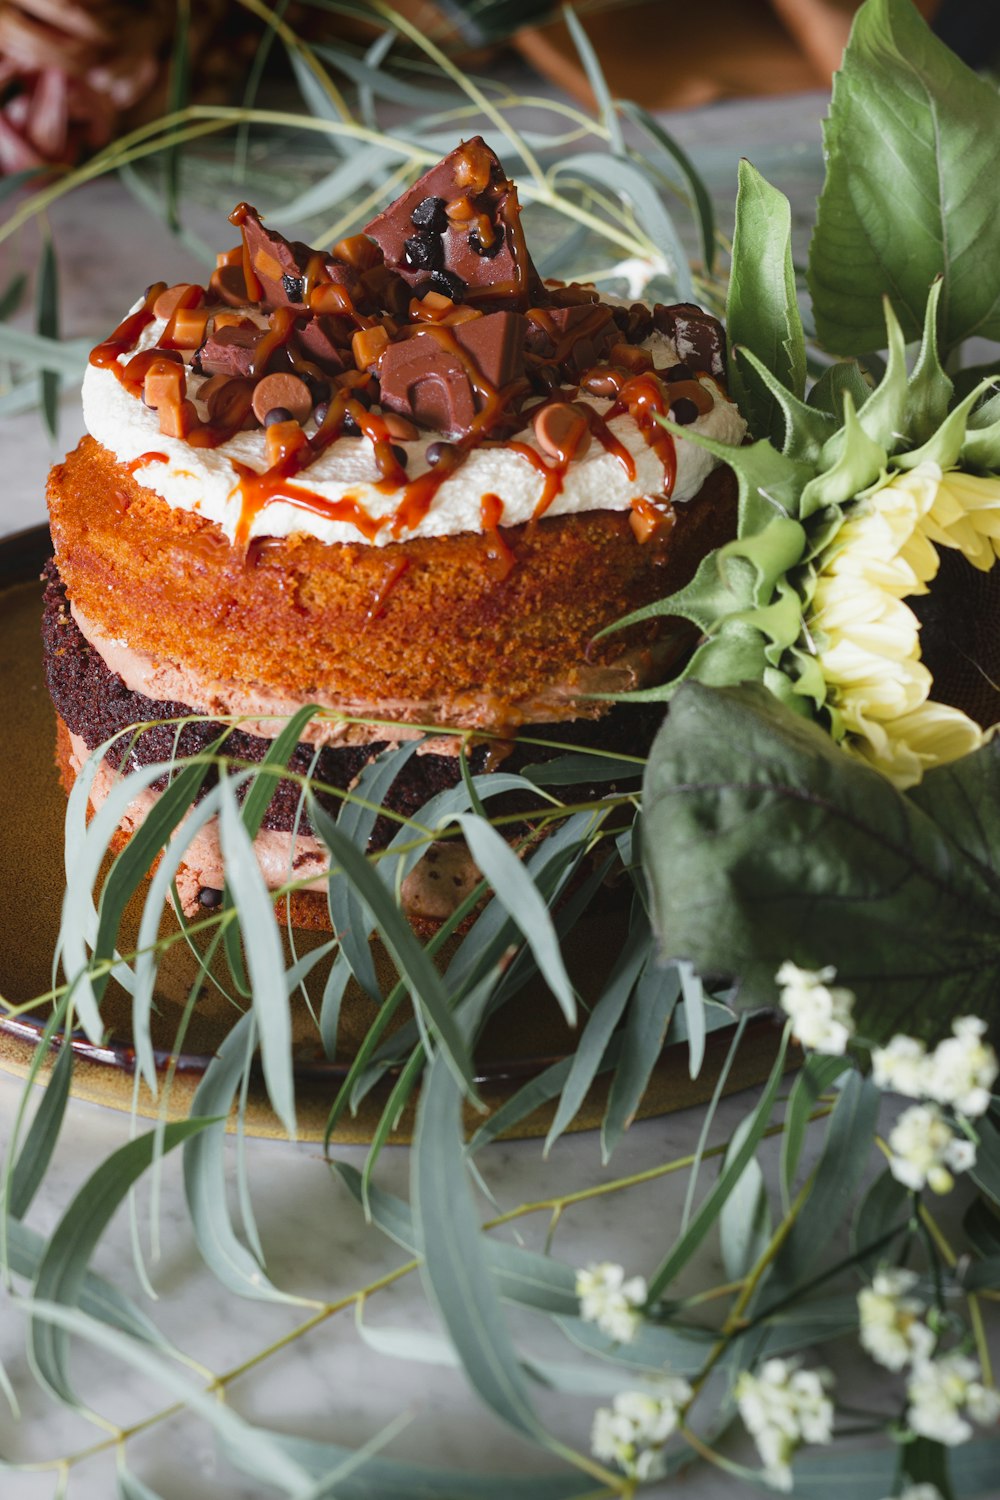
x: 262, y: 710
x: 205, y: 481
x: 434, y: 888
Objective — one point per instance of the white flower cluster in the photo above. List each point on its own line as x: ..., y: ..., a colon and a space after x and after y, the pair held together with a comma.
x: 892, y: 1326
x: 920, y: 1492
x: 960, y: 1072
x: 610, y: 1301
x: 783, y: 1406
x: 632, y: 1431
x: 820, y: 1015
x: 942, y: 1392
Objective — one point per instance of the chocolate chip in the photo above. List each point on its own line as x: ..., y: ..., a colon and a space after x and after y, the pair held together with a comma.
x: 400, y: 455
x: 423, y: 253
x: 430, y: 214
x: 545, y: 378
x: 487, y: 251
x: 321, y: 412
x: 277, y: 414
x: 209, y: 897
x: 349, y: 427
x: 437, y: 451
x: 294, y: 287
x: 449, y: 284
x: 683, y: 411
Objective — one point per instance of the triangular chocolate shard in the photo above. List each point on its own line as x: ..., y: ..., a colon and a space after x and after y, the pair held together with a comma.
x: 283, y: 269
x: 458, y: 229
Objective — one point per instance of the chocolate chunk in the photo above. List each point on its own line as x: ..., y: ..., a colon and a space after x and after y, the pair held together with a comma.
x: 442, y: 376
x: 448, y: 284
x: 430, y: 214
x: 424, y: 379
x: 423, y: 252
x: 228, y: 351
x: 282, y: 267
x: 572, y: 338
x: 700, y: 338
x: 481, y: 240
x: 325, y: 340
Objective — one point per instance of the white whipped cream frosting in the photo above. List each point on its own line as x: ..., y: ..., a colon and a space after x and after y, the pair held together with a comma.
x: 203, y: 480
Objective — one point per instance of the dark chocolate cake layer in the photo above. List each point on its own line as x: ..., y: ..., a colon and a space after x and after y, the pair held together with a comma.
x: 95, y: 704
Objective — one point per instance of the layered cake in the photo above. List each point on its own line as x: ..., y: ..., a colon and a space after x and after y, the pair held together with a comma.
x: 403, y: 479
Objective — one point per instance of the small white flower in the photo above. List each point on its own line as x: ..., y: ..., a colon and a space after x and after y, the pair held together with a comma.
x: 783, y: 1406
x: 821, y: 1015
x: 963, y: 1068
x: 892, y: 1330
x: 901, y: 1067
x: 610, y: 1301
x: 632, y: 1431
x: 924, y: 1147
x: 940, y: 1390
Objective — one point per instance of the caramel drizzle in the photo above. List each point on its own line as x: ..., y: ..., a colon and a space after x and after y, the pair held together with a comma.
x: 125, y: 337
x: 239, y: 217
x: 144, y: 459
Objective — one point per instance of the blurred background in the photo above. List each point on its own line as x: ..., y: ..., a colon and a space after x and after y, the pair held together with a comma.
x: 75, y: 73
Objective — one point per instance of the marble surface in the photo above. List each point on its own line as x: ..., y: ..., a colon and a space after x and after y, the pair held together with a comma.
x: 327, y: 1384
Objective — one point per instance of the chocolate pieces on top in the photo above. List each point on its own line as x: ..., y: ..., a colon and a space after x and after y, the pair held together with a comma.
x: 434, y: 315
x: 458, y: 231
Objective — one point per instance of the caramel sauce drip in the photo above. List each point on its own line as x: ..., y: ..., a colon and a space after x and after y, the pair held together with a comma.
x: 393, y: 574
x: 282, y: 325
x: 542, y: 318
x: 144, y: 459
x: 499, y: 554
x: 645, y: 398
x: 105, y: 355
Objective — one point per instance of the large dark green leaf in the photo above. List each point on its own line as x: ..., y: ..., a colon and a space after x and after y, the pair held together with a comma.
x: 766, y: 841
x: 909, y: 189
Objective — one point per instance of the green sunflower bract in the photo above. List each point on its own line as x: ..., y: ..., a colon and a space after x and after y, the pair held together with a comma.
x: 837, y: 530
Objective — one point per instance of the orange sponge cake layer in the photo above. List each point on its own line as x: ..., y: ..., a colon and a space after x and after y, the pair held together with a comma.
x: 494, y: 628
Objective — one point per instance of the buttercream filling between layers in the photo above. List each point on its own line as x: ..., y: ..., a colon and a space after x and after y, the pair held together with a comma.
x: 260, y: 708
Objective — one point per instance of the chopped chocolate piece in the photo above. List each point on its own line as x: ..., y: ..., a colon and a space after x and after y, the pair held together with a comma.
x: 428, y: 381
x: 448, y: 284
x: 700, y: 338
x: 283, y: 268
x: 228, y: 351
x: 442, y: 376
x: 385, y: 290
x: 573, y: 294
x: 430, y: 214
x: 423, y: 252
x: 683, y: 411
x: 573, y: 337
x: 638, y: 323
x: 676, y: 373
x: 496, y: 343
x: 325, y: 339
x: 481, y: 240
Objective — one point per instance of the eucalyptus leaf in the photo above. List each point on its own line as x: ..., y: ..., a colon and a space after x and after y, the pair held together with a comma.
x: 132, y: 1488
x: 264, y: 957
x: 205, y: 1172
x: 271, y: 1463
x: 47, y: 326
x: 454, y: 1265
x: 627, y: 180
x: 701, y: 199
x: 765, y: 841
x: 36, y: 1153
x: 986, y: 1172
x: 595, y: 77
x: 652, y: 1004
x: 652, y: 1350
x: 63, y: 1269
x: 745, y: 1218
x: 817, y: 1074
x: 908, y: 149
